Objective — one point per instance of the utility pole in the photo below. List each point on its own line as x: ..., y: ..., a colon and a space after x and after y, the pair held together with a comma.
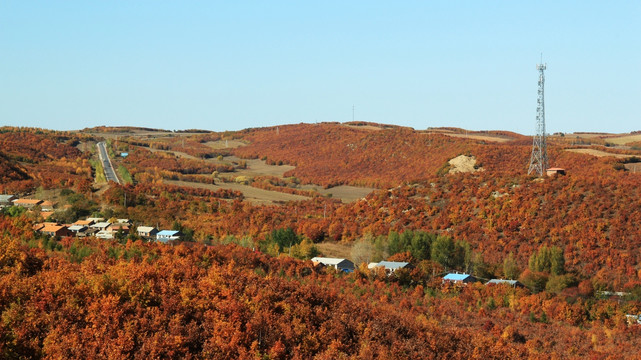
x: 352, y: 113
x: 539, y: 158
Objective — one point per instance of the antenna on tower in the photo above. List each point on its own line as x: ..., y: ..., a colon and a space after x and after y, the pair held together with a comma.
x: 539, y: 158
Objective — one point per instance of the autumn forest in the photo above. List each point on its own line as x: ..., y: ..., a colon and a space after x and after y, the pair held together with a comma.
x: 253, y: 207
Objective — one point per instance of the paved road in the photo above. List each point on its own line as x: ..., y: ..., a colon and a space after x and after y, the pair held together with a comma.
x: 110, y: 173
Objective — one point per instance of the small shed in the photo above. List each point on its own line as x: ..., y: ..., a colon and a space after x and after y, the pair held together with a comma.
x: 555, y: 171
x: 339, y: 264
x: 459, y: 278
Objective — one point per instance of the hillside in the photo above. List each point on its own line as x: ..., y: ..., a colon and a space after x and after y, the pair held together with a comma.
x: 375, y: 192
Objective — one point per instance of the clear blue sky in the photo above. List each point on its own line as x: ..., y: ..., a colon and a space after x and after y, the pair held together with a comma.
x: 228, y: 65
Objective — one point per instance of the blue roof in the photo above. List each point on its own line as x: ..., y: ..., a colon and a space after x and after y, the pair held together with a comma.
x: 456, y: 277
x: 167, y: 233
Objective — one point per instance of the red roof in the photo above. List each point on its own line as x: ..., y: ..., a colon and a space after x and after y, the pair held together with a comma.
x: 27, y: 201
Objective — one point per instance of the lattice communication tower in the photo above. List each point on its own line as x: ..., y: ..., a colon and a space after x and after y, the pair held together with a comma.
x: 539, y: 159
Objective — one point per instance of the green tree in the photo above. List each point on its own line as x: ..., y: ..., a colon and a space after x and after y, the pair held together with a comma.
x: 510, y: 268
x: 550, y: 260
x: 451, y: 254
x: 284, y: 238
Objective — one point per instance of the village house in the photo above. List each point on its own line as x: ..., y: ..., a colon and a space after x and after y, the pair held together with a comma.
x: 46, y: 205
x: 338, y: 264
x: 392, y: 266
x: 27, y: 203
x: 459, y: 279
x: 79, y: 230
x: 55, y: 230
x: 116, y: 227
x: 7, y: 200
x: 101, y: 225
x: 511, y: 283
x: 105, y: 235
x: 87, y: 222
x: 147, y: 231
x: 165, y: 236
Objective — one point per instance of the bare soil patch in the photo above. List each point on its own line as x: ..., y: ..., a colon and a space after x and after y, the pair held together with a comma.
x: 463, y: 164
x: 252, y: 194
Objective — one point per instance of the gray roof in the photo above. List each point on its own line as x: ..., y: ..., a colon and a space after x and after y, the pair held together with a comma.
x: 6, y: 198
x: 77, y: 227
x: 101, y: 225
x: 393, y: 265
x: 502, y: 281
x: 338, y: 263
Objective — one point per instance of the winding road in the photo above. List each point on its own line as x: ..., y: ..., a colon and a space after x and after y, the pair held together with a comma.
x: 110, y: 173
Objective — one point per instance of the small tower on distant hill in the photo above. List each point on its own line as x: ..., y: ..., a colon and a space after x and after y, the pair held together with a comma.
x: 539, y: 158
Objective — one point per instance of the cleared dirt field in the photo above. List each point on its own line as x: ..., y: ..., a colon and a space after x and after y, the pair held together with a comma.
x: 257, y: 167
x: 335, y: 250
x: 599, y: 153
x: 252, y: 194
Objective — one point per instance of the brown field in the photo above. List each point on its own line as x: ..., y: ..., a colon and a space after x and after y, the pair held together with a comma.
x: 589, y: 135
x: 335, y: 250
x: 346, y: 193
x: 179, y: 154
x: 252, y: 194
x: 599, y: 153
x: 624, y: 139
x: 633, y: 167
x: 257, y: 167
